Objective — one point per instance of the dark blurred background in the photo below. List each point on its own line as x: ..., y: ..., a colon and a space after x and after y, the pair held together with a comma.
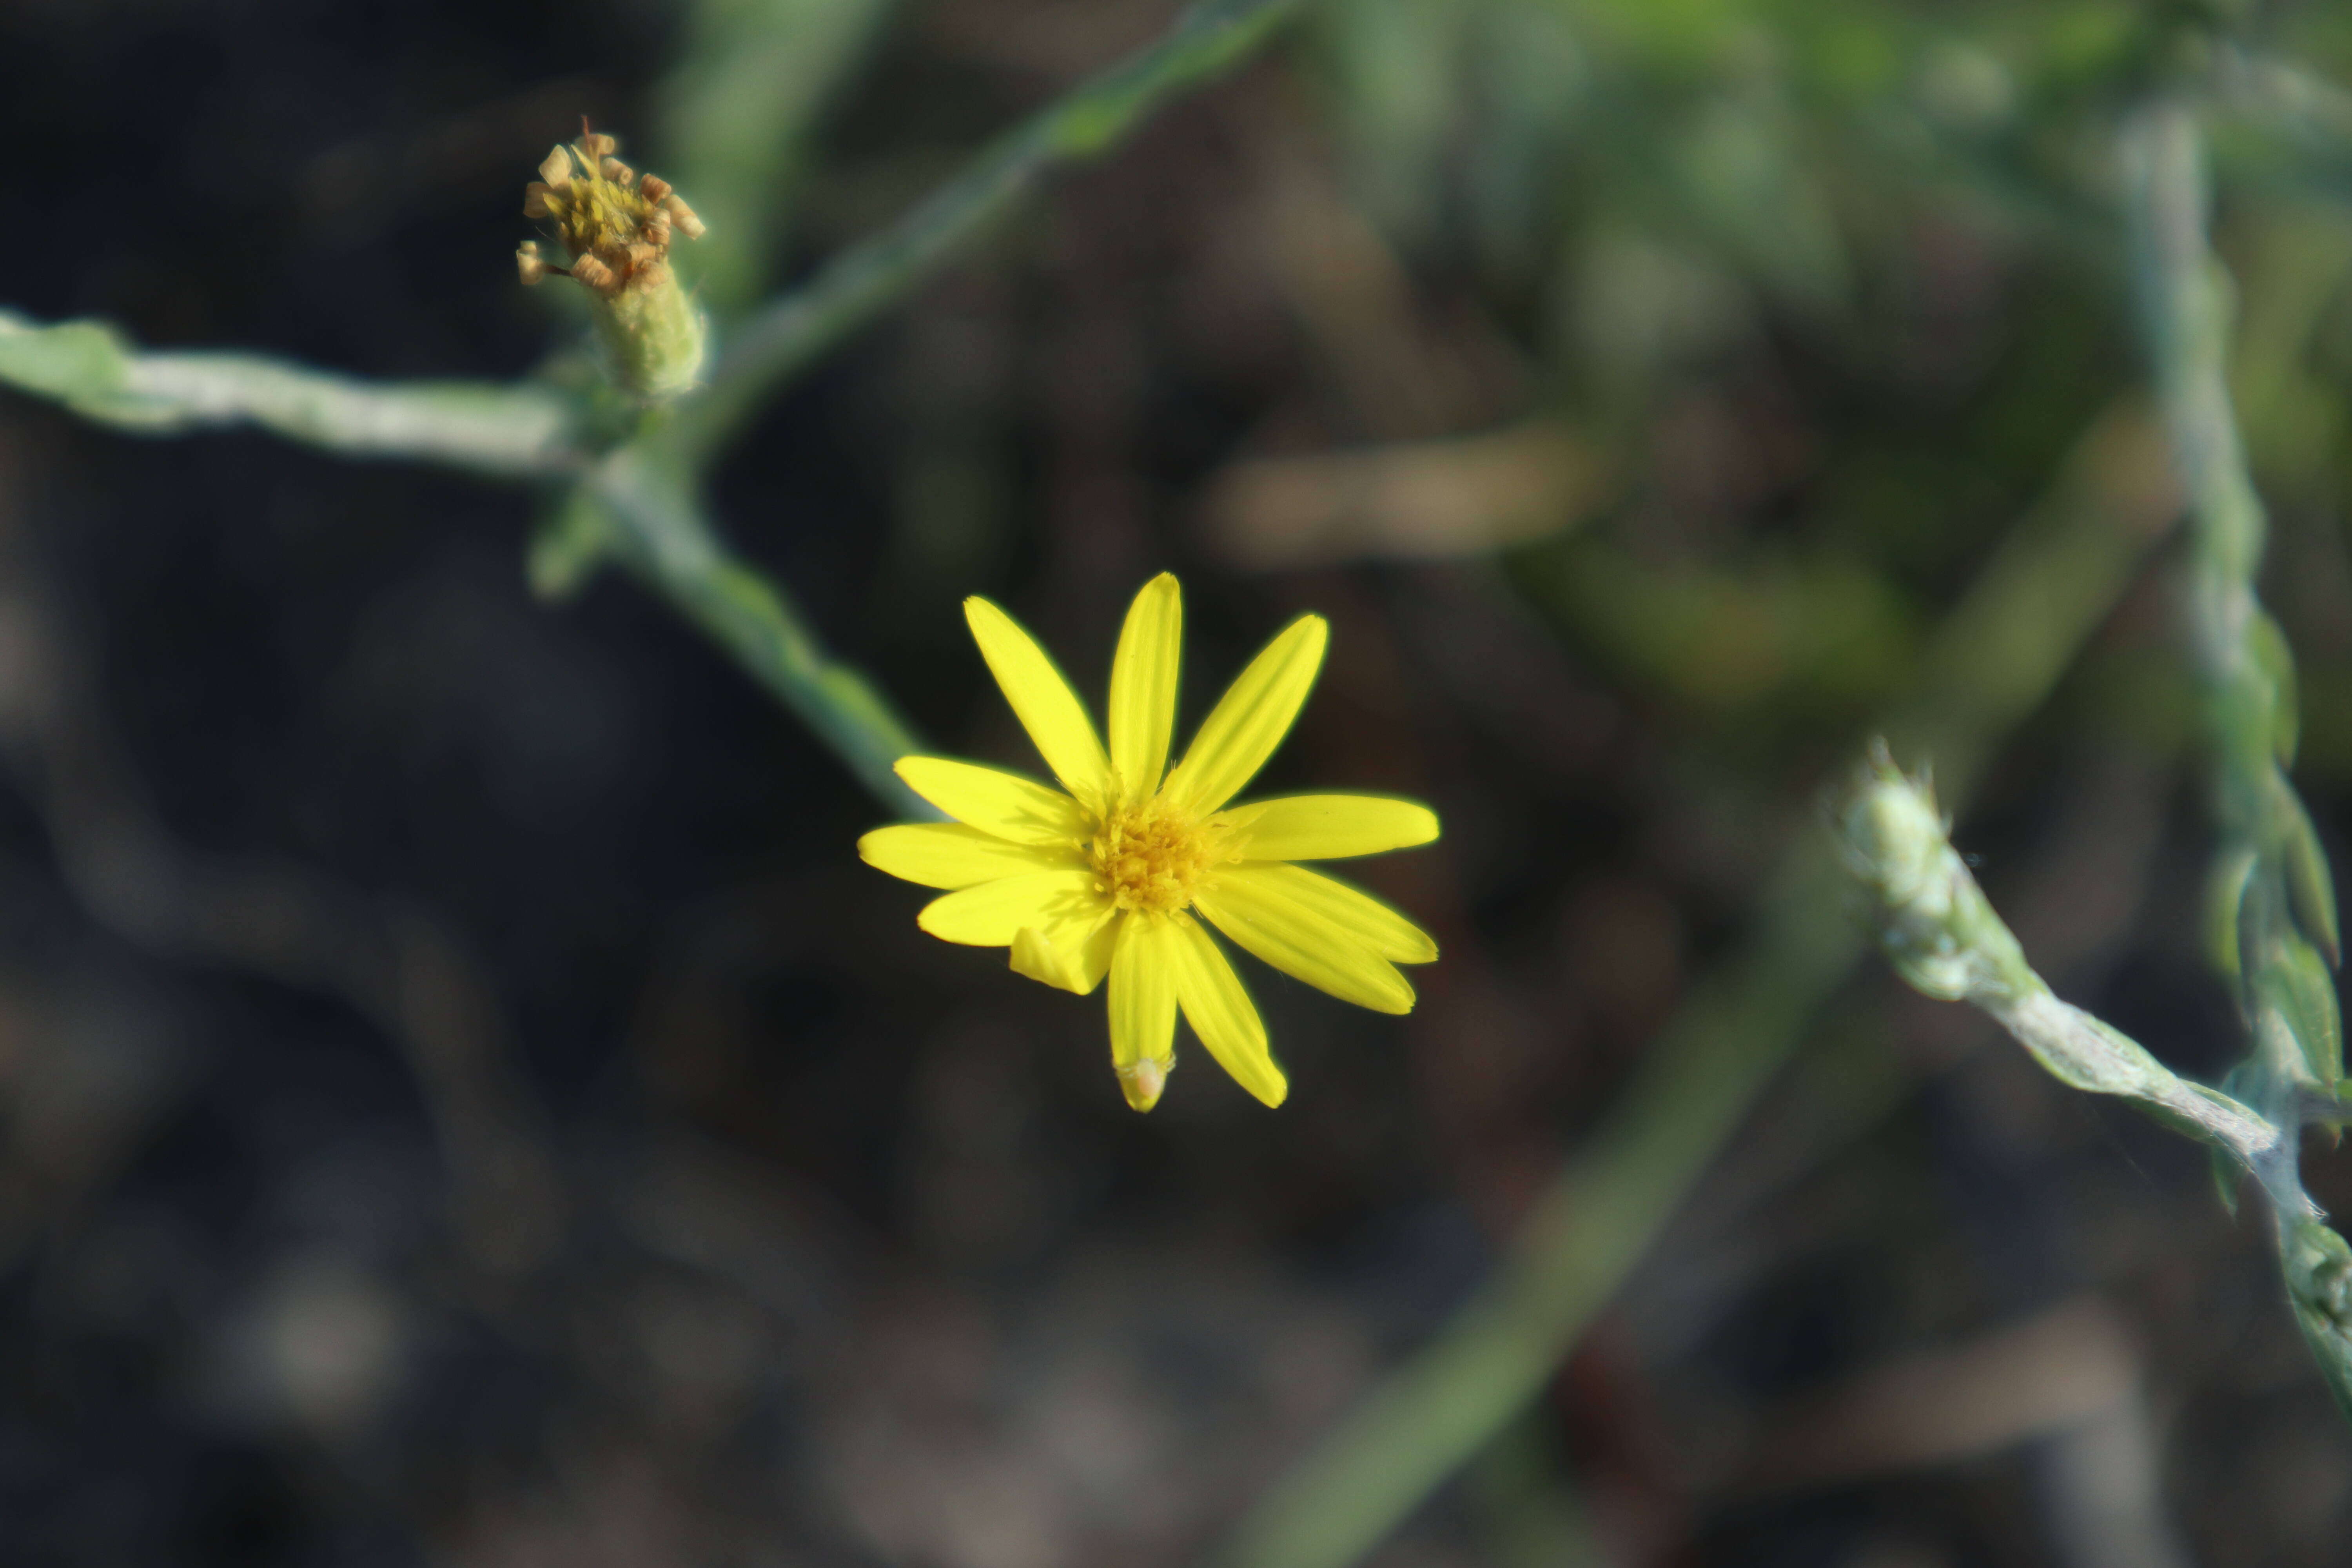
x: 466, y: 1103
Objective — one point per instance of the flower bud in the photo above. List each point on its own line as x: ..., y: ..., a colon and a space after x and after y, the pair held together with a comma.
x: 1894, y: 834
x: 616, y: 225
x: 1933, y: 919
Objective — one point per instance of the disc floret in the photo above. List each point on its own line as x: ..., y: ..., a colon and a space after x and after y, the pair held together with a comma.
x: 1151, y: 858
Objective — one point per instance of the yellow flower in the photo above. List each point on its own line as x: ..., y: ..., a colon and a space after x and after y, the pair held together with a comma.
x: 1104, y: 876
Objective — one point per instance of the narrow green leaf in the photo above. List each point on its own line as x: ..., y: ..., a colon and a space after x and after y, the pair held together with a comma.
x: 2318, y: 1265
x: 2268, y: 645
x: 574, y: 537
x: 2225, y: 897
x: 2295, y: 981
x: 2311, y: 890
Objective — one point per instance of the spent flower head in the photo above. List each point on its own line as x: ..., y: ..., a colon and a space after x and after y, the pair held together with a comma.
x: 1118, y: 873
x: 615, y: 227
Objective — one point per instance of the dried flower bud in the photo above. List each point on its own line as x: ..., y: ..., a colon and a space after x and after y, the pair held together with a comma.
x: 616, y: 226
x: 531, y: 264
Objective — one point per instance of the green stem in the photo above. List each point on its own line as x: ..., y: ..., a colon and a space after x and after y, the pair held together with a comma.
x: 781, y: 339
x: 508, y: 432
x: 1594, y: 1223
x: 662, y: 535
x: 2276, y: 907
x: 735, y: 116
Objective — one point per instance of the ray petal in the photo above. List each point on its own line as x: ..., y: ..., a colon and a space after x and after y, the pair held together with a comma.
x: 1042, y: 700
x: 1329, y: 827
x: 949, y: 854
x: 1250, y: 720
x: 1300, y: 942
x: 1071, y: 953
x: 1143, y: 1007
x: 994, y: 801
x: 1221, y: 1012
x: 1361, y: 915
x: 1143, y: 688
x: 992, y: 913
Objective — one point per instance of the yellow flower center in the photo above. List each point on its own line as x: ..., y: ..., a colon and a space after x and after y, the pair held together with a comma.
x: 1152, y: 857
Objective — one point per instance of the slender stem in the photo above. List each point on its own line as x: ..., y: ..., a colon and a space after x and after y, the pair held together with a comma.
x: 735, y: 117
x: 1999, y: 652
x: 662, y: 535
x: 781, y: 339
x: 2275, y: 906
x: 520, y: 431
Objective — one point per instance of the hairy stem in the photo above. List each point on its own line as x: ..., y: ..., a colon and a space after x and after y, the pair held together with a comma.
x: 521, y: 431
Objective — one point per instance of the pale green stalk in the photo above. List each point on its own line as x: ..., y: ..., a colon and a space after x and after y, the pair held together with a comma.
x: 2275, y: 920
x: 521, y: 431
x: 734, y: 118
x: 782, y: 338
x: 660, y: 531
x: 1993, y: 662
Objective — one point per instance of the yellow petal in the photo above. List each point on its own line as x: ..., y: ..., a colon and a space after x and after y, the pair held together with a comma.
x: 1222, y: 1012
x: 1353, y: 911
x: 1300, y: 942
x: 1143, y: 1007
x: 1330, y: 826
x: 994, y: 801
x: 1042, y: 700
x: 992, y: 914
x: 1250, y: 720
x: 1143, y: 687
x: 1070, y: 954
x: 949, y: 854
